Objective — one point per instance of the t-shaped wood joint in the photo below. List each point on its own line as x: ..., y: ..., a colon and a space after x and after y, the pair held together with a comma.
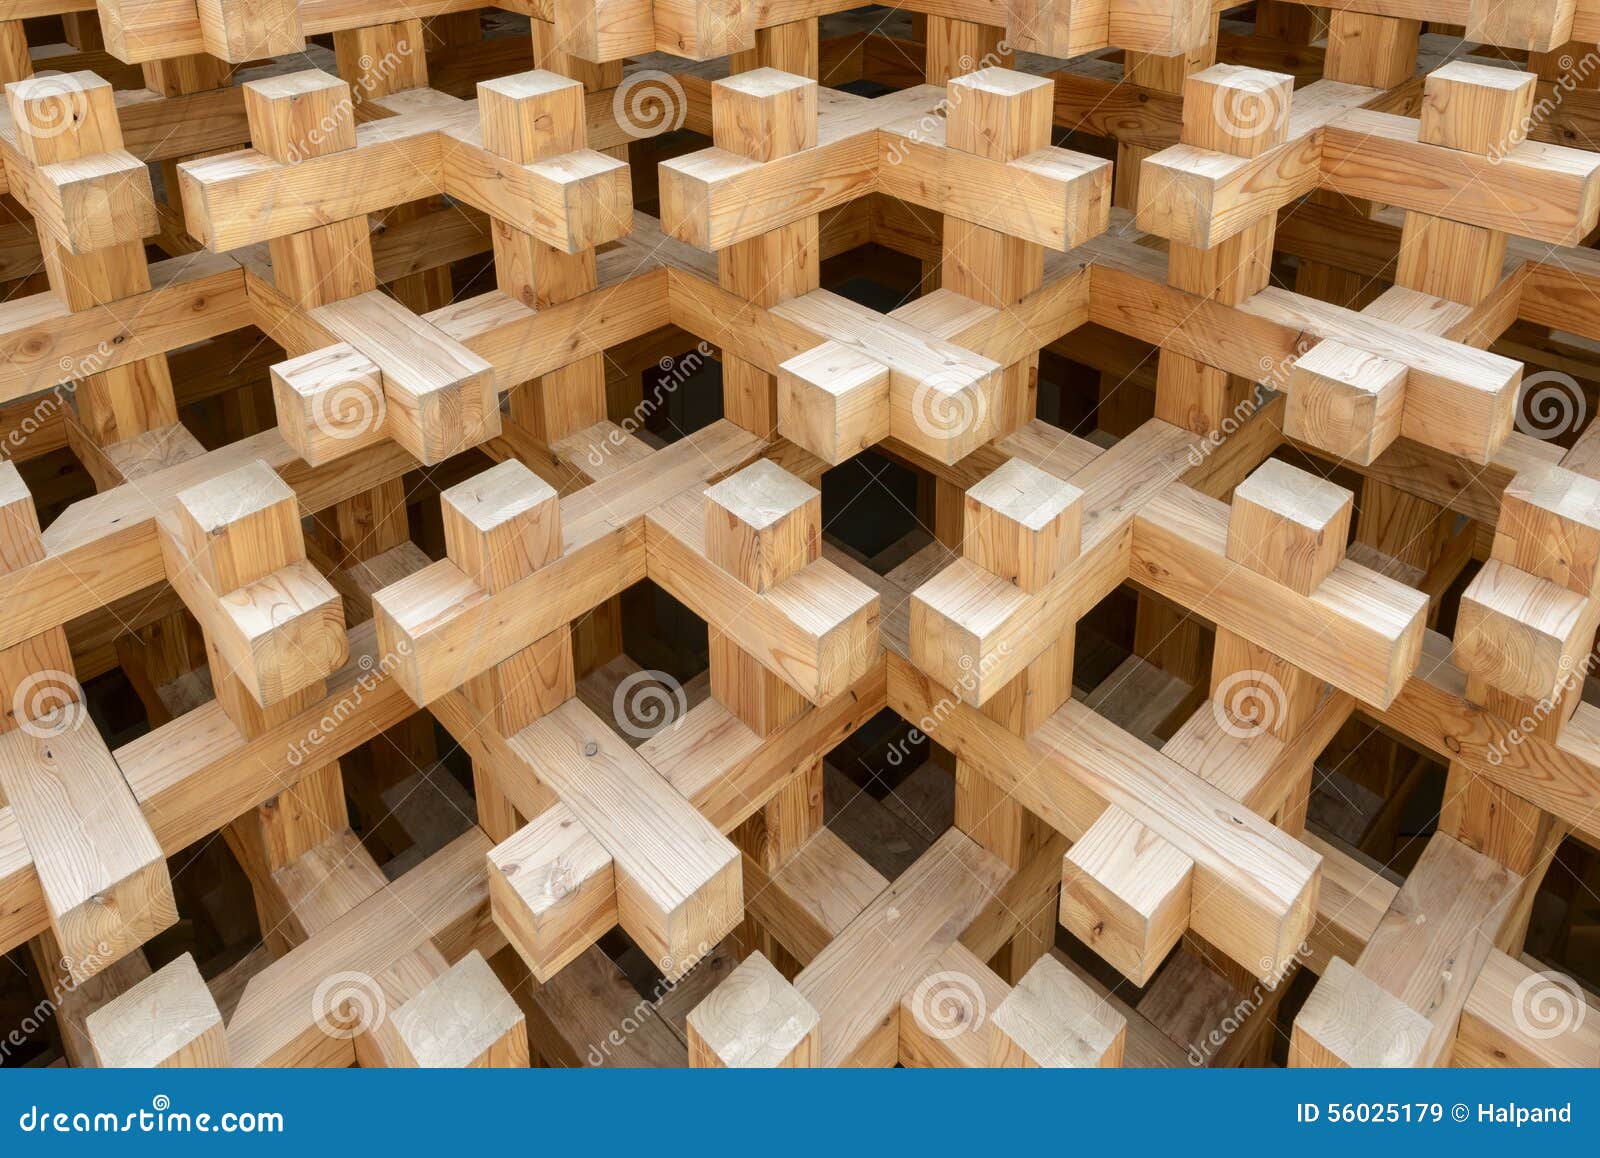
x: 236, y: 556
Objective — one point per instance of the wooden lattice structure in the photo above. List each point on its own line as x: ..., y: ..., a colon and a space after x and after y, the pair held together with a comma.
x: 360, y: 402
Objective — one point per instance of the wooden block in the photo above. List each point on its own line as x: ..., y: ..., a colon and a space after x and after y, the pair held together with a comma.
x: 764, y: 114
x: 754, y: 1019
x: 703, y: 29
x: 1060, y: 28
x: 1023, y: 524
x: 679, y: 883
x: 1053, y: 1019
x: 1550, y: 517
x: 279, y: 634
x: 501, y: 525
x: 464, y: 1019
x: 321, y: 265
x: 763, y: 525
x: 330, y: 403
x: 103, y: 875
x: 244, y: 30
x: 999, y: 114
x: 1350, y: 1020
x: 240, y: 527
x: 1167, y: 28
x: 1345, y: 401
x: 300, y: 115
x: 834, y: 401
x: 441, y: 397
x: 64, y: 116
x: 532, y: 115
x: 1289, y: 525
x: 1522, y: 634
x: 20, y: 541
x: 95, y: 202
x: 1447, y: 259
x: 1475, y: 108
x: 1517, y: 1017
x: 1537, y: 27
x: 1125, y: 892
x: 1239, y: 111
x: 167, y: 1020
x: 552, y: 890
